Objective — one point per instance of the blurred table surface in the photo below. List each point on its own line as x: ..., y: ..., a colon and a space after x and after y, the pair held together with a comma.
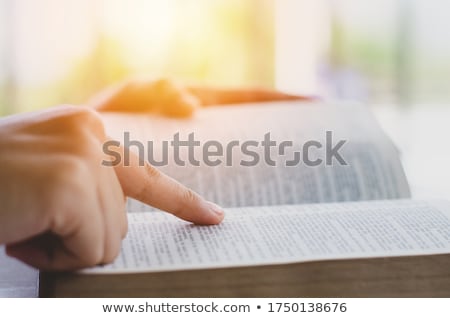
x: 421, y: 134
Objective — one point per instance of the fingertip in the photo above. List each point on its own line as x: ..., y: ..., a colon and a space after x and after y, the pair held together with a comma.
x: 216, y: 209
x: 213, y: 214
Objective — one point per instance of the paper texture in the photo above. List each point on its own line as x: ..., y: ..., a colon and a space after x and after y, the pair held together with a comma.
x: 284, y: 234
x: 373, y: 172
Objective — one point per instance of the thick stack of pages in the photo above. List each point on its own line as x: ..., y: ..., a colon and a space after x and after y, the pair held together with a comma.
x: 291, y: 230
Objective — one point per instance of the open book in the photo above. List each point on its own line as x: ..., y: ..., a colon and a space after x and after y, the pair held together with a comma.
x: 314, y: 222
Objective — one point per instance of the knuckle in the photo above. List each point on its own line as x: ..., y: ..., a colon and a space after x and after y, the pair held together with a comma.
x: 71, y: 169
x: 167, y: 89
x: 129, y: 87
x: 189, y: 196
x: 152, y: 175
x: 188, y: 199
x: 152, y: 172
x: 91, y: 122
x: 164, y: 83
x: 79, y: 119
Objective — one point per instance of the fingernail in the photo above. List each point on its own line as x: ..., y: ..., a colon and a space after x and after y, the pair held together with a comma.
x: 215, y: 208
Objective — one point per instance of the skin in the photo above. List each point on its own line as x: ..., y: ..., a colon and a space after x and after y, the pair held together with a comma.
x: 170, y: 98
x: 60, y: 209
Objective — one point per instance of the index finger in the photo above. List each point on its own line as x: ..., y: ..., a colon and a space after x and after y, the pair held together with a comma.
x: 150, y: 186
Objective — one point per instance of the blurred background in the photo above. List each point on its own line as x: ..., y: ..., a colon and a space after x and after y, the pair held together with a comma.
x: 391, y: 52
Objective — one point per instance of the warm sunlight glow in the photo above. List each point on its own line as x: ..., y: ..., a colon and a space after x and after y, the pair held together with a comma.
x: 62, y: 51
x: 144, y: 28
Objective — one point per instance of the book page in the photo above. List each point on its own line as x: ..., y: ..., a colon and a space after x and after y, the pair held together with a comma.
x: 284, y: 234
x: 372, y: 169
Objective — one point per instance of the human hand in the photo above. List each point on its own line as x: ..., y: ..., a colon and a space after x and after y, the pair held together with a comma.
x: 60, y: 208
x: 170, y: 98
